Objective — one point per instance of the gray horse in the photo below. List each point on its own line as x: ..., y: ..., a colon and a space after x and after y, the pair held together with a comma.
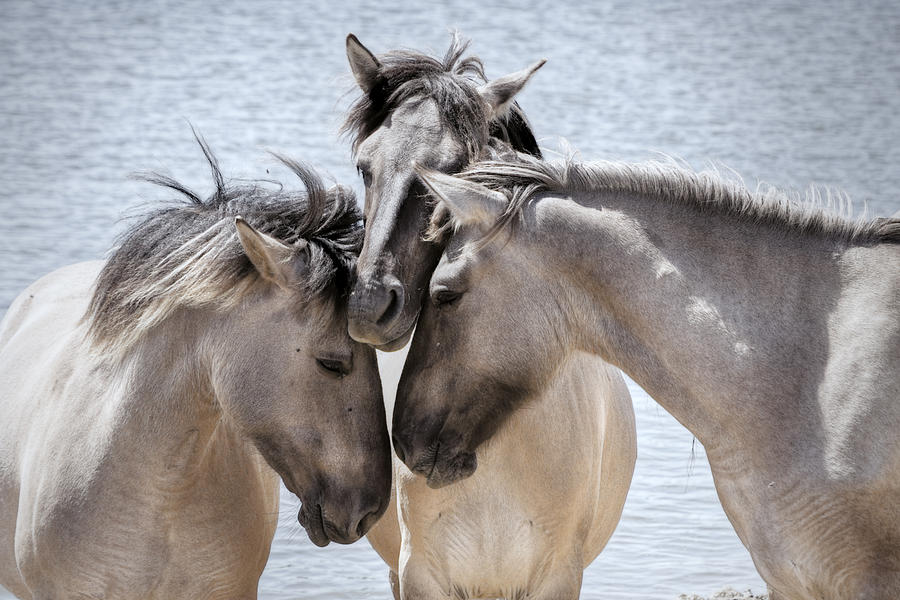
x: 440, y: 114
x: 150, y: 403
x: 768, y: 328
x: 496, y: 532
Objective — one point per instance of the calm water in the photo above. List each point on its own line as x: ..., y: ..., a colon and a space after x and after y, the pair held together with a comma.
x: 788, y: 94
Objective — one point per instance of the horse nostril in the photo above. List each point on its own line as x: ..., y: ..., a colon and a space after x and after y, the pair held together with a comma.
x: 391, y: 301
x: 398, y: 447
x: 376, y: 300
x: 393, y: 305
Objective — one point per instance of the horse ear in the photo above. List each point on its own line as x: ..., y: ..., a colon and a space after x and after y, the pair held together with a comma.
x: 274, y: 260
x: 500, y: 92
x: 469, y: 203
x: 363, y: 63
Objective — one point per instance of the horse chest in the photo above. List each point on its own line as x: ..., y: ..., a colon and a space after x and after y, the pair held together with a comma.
x: 484, y: 548
x: 118, y: 536
x: 137, y: 551
x: 90, y: 548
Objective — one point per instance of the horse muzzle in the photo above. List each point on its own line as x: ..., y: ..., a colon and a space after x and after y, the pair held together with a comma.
x: 376, y: 314
x: 440, y: 462
x: 336, y: 522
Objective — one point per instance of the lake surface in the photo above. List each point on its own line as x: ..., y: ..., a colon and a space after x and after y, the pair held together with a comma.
x: 787, y: 94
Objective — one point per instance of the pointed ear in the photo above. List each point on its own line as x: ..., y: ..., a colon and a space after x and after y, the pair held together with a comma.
x: 469, y: 203
x: 363, y: 63
x: 499, y: 93
x: 275, y: 261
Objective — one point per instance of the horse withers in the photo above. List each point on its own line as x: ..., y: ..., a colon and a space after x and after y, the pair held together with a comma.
x: 768, y: 327
x: 151, y: 402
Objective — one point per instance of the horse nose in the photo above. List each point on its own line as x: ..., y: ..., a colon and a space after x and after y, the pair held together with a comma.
x: 377, y: 302
x: 366, y: 513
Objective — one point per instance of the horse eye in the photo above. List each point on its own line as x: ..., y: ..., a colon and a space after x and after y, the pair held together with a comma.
x: 365, y: 174
x: 445, y: 297
x: 333, y: 367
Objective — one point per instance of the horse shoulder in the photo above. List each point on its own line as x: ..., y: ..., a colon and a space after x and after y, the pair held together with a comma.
x: 613, y: 447
x: 549, y: 488
x: 859, y: 395
x: 836, y: 519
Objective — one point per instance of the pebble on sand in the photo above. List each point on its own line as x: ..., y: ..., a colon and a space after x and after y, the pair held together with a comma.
x: 726, y: 594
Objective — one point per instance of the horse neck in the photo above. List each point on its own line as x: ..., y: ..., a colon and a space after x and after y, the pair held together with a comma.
x: 722, y: 322
x: 167, y: 404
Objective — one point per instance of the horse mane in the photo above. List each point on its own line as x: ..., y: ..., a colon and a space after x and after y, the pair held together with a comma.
x: 452, y: 83
x: 706, y: 191
x: 188, y: 254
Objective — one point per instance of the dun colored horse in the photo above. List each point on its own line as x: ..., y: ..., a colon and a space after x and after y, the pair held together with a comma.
x: 770, y: 329
x: 150, y: 403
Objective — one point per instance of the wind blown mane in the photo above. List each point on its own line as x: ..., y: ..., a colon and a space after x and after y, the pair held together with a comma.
x: 188, y: 254
x: 708, y: 192
x: 453, y: 84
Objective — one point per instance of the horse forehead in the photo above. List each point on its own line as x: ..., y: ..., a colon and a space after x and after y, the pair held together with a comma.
x: 327, y: 314
x: 470, y: 254
x: 294, y: 315
x: 415, y: 126
x: 457, y: 261
x: 418, y: 113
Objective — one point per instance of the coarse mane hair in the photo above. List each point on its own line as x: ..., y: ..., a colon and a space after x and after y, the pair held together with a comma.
x: 706, y: 191
x: 453, y: 84
x: 188, y: 254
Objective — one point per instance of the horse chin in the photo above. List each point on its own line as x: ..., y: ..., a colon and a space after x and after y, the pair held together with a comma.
x: 452, y: 469
x: 310, y: 514
x: 398, y: 342
x: 314, y: 525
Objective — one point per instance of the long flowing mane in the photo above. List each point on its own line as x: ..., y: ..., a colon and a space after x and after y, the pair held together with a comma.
x: 708, y: 192
x: 452, y: 83
x: 187, y: 254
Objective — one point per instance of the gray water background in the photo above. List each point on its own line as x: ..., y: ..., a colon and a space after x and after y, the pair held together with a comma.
x: 783, y: 93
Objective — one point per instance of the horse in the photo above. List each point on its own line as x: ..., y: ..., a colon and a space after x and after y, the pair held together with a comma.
x: 151, y: 402
x: 490, y: 535
x: 769, y: 327
x: 438, y: 113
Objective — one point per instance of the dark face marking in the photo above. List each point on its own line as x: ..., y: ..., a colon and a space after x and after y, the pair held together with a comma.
x: 474, y: 360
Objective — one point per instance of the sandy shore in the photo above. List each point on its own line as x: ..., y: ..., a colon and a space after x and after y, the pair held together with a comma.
x: 726, y: 594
